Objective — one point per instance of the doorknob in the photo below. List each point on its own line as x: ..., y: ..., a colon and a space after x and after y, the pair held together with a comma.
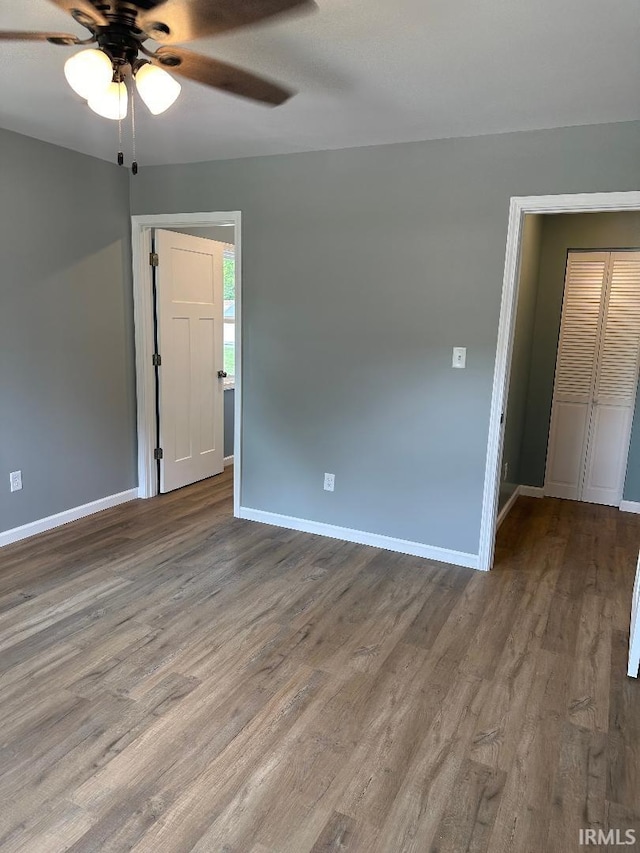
x: 222, y: 374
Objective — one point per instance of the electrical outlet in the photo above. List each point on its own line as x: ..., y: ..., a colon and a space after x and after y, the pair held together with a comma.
x: 15, y: 480
x: 329, y: 482
x: 505, y: 471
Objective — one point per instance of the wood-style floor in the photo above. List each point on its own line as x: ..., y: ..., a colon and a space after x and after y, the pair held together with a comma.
x: 172, y: 679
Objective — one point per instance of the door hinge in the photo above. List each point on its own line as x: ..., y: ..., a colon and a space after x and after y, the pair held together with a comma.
x: 156, y: 359
x: 157, y: 453
x: 153, y: 259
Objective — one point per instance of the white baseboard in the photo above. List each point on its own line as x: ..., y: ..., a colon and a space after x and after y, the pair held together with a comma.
x: 629, y: 506
x: 532, y: 491
x: 506, y: 509
x: 26, y: 530
x: 228, y: 460
x: 376, y: 540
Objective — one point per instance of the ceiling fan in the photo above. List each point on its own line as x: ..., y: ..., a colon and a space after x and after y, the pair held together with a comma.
x: 120, y: 29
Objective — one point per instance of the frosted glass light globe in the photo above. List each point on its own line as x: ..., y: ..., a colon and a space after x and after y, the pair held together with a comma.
x: 110, y: 103
x: 88, y: 72
x: 156, y: 88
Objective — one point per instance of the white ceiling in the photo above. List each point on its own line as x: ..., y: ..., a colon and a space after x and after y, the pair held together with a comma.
x: 367, y: 72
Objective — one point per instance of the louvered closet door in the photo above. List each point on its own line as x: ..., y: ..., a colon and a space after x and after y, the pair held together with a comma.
x: 575, y: 373
x: 615, y: 382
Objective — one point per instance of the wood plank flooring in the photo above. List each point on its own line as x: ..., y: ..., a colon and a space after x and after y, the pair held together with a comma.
x: 173, y: 679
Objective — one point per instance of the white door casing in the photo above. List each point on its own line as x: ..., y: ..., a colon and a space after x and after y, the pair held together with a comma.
x: 634, y: 630
x: 596, y: 377
x: 189, y: 297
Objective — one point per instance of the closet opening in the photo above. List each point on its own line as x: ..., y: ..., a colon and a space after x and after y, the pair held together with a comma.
x: 564, y: 420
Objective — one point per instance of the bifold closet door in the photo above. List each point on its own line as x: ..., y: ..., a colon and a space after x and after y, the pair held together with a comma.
x: 575, y: 373
x: 615, y: 383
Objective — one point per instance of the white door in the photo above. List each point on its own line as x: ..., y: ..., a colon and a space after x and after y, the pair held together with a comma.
x: 575, y: 372
x: 596, y: 377
x: 615, y: 383
x: 189, y: 305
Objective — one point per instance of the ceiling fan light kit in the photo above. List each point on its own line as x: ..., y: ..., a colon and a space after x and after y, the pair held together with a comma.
x: 93, y: 75
x: 156, y: 88
x: 88, y: 72
x: 111, y: 102
x: 120, y: 28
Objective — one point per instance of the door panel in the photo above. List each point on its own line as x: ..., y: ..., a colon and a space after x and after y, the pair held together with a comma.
x: 177, y: 421
x: 617, y: 376
x: 566, y: 450
x: 580, y: 325
x: 189, y: 288
x: 607, y: 455
x: 208, y: 345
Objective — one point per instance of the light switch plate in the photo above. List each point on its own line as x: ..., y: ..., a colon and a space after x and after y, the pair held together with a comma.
x: 459, y: 357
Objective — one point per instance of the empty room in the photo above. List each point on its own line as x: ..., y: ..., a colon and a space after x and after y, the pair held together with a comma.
x: 319, y: 426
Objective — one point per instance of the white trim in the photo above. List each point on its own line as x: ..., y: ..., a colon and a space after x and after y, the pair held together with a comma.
x: 376, y: 540
x: 506, y: 509
x: 228, y: 460
x: 518, y: 208
x: 42, y: 524
x: 630, y: 506
x: 141, y: 226
x: 532, y: 491
x: 634, y: 628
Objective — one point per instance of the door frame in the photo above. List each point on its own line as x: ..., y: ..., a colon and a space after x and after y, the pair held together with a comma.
x: 141, y: 228
x: 519, y: 207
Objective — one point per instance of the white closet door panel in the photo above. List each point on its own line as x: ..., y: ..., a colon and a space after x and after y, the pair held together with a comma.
x: 580, y: 326
x: 617, y: 375
x: 565, y: 463
x: 607, y: 455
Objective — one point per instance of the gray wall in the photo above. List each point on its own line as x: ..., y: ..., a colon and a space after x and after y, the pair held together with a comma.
x: 632, y: 481
x: 362, y: 269
x: 521, y: 358
x: 560, y: 234
x: 67, y: 396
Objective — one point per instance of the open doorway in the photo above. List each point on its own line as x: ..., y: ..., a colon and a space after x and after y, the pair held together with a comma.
x: 511, y: 391
x: 574, y: 367
x: 196, y: 365
x: 186, y: 286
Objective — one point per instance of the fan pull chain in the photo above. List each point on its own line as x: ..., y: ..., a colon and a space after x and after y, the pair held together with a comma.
x: 120, y: 152
x: 134, y: 165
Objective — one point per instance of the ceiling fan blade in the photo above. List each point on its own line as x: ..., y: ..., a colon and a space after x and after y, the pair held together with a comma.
x: 218, y: 74
x: 175, y: 21
x: 83, y: 11
x: 54, y: 38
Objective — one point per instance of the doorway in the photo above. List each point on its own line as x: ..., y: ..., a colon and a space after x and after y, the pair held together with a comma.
x: 194, y: 335
x: 520, y: 207
x: 143, y: 228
